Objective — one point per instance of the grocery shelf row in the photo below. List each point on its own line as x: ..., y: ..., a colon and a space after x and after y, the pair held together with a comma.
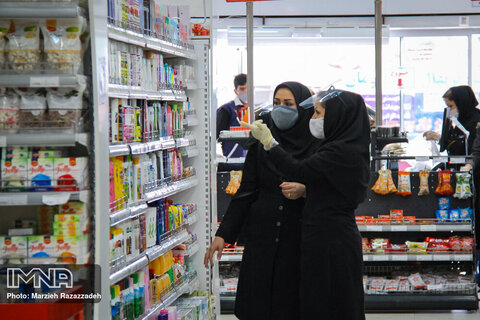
x: 37, y: 10
x: 119, y: 273
x: 418, y: 257
x: 53, y: 139
x: 41, y: 198
x: 447, y: 227
x: 130, y: 92
x: 164, y: 143
x: 39, y: 80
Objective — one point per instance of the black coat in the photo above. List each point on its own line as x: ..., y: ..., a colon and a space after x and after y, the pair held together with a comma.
x: 269, y: 277
x: 336, y: 176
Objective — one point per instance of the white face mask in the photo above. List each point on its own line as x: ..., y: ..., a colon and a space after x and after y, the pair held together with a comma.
x: 316, y: 128
x: 453, y: 113
x: 243, y: 97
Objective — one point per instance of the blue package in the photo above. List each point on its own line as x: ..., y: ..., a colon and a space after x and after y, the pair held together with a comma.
x: 442, y: 215
x: 444, y: 203
x: 455, y: 214
x: 466, y: 214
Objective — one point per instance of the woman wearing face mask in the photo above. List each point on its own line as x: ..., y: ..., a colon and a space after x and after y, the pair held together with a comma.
x: 336, y: 176
x: 461, y: 109
x: 270, y: 207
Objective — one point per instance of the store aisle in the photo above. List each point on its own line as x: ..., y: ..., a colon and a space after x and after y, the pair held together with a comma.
x: 406, y: 316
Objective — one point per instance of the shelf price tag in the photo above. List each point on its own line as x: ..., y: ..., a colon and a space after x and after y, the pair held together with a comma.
x: 40, y: 82
x: 429, y: 227
x: 374, y: 228
x: 399, y: 228
x: 424, y: 257
x: 13, y: 200
x: 462, y: 257
x: 399, y: 257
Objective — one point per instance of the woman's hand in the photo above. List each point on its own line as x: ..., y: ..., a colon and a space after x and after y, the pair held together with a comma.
x: 431, y: 135
x: 260, y: 132
x: 293, y: 190
x: 217, y: 245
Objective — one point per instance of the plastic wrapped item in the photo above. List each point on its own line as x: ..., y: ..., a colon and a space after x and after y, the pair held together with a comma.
x: 379, y: 245
x: 442, y: 215
x: 424, y: 174
x: 234, y: 184
x: 33, y: 107
x: 377, y: 284
x: 391, y: 285
x: 404, y: 186
x: 65, y: 106
x: 403, y: 285
x: 384, y: 184
x: 62, y: 45
x: 365, y: 245
x: 437, y: 244
x: 417, y: 247
x: 466, y: 214
x: 455, y: 243
x: 444, y: 187
x: 463, y: 189
x: 396, y: 216
x: 444, y: 203
x: 454, y: 215
x: 409, y: 219
x: 467, y: 244
x: 416, y: 281
x: 4, y: 26
x: 9, y: 111
x: 23, y: 46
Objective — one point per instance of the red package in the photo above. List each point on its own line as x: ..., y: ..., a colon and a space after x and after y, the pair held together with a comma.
x: 404, y: 186
x: 397, y: 248
x: 377, y: 284
x: 444, y: 187
x: 370, y: 220
x: 467, y: 244
x: 391, y: 285
x: 396, y: 216
x: 436, y: 240
x: 409, y: 219
x: 360, y: 219
x: 416, y: 281
x: 366, y: 245
x: 380, y: 244
x: 383, y: 219
x: 455, y: 243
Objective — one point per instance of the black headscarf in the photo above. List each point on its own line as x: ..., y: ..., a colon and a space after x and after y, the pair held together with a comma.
x: 297, y: 140
x: 468, y: 115
x: 345, y: 150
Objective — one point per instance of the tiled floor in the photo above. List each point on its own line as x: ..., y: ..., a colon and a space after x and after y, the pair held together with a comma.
x: 459, y: 315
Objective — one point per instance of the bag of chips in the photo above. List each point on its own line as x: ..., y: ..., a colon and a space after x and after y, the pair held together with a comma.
x: 384, y: 184
x: 234, y: 184
x: 424, y: 174
x: 404, y: 186
x: 463, y: 189
x: 444, y: 187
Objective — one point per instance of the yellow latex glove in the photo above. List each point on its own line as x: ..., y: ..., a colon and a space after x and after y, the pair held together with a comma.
x: 260, y: 132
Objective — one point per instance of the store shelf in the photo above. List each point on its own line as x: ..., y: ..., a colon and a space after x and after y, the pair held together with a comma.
x: 168, y: 300
x: 191, y: 121
x: 128, y: 92
x: 456, y: 227
x: 117, y: 150
x: 413, y: 302
x: 54, y: 139
x: 163, y: 144
x: 239, y: 140
x: 231, y: 258
x: 166, y: 245
x: 418, y: 257
x: 40, y: 198
x: 192, y: 218
x: 192, y: 249
x: 39, y: 80
x: 39, y: 10
x: 127, y: 213
x: 131, y: 267
x: 144, y: 41
x: 174, y: 188
x: 184, y: 142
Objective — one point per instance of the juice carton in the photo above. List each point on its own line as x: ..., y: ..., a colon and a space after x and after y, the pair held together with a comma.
x: 70, y: 173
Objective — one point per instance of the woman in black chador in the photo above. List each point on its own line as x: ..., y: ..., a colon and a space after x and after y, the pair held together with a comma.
x: 270, y: 206
x: 336, y: 176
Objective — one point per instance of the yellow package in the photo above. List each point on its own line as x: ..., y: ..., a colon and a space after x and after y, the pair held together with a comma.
x: 384, y: 184
x: 118, y: 182
x: 234, y: 184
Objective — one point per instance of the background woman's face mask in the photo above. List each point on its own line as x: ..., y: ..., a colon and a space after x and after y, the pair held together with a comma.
x: 317, y: 128
x: 284, y: 117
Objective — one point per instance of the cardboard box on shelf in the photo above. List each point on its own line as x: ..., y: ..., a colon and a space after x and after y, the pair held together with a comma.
x: 75, y: 207
x: 41, y: 247
x: 14, y: 248
x: 72, y: 249
x: 71, y: 174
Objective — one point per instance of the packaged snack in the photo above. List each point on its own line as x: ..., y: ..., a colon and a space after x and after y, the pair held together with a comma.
x: 14, y: 170
x: 377, y: 284
x: 72, y: 249
x: 403, y: 285
x: 391, y: 285
x: 234, y: 184
x: 466, y: 214
x: 360, y: 219
x: 436, y: 244
x: 442, y: 215
x: 444, y: 187
x: 397, y: 248
x: 41, y: 248
x: 455, y: 214
x: 40, y: 173
x: 424, y: 174
x: 33, y: 108
x: 384, y: 184
x: 417, y: 247
x: 4, y: 26
x: 62, y: 45
x: 467, y: 243
x: 396, y: 216
x: 70, y: 173
x: 409, y: 219
x: 117, y: 246
x: 73, y: 207
x: 9, y: 111
x: 370, y: 220
x: 14, y: 248
x: 383, y: 219
x: 463, y: 189
x: 455, y: 243
x: 365, y: 245
x: 444, y: 203
x: 65, y: 106
x: 379, y: 245
x: 416, y: 281
x: 23, y: 46
x: 404, y: 187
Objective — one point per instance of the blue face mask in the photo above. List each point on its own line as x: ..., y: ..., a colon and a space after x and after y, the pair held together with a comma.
x: 284, y: 117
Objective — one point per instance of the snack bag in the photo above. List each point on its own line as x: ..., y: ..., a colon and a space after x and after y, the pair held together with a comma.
x: 444, y: 187
x: 424, y: 174
x: 442, y: 215
x: 416, y: 281
x: 466, y: 214
x: 4, y: 26
x: 23, y: 46
x: 444, y: 203
x: 417, y: 247
x: 404, y: 186
x: 463, y: 190
x: 455, y: 215
x: 234, y: 184
x: 384, y: 184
